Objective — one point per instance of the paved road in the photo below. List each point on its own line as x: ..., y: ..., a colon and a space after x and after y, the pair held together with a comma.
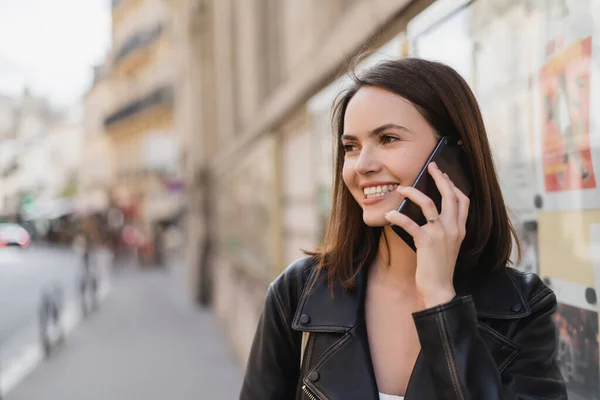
x: 24, y: 273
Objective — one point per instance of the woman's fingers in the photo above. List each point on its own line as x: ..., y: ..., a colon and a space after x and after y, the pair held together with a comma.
x: 419, y: 198
x: 463, y: 210
x: 444, y: 185
x: 454, y: 212
x: 404, y: 222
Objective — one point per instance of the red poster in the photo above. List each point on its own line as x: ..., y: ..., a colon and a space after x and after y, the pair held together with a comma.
x: 565, y: 86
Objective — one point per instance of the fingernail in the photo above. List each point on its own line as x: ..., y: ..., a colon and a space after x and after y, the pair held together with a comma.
x: 399, y: 188
x: 389, y: 212
x: 434, y: 165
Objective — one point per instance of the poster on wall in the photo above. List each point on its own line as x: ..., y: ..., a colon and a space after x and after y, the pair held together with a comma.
x: 577, y: 352
x: 565, y: 89
x: 576, y: 318
x: 567, y: 130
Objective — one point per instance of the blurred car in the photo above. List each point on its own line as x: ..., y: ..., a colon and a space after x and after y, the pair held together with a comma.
x: 14, y: 235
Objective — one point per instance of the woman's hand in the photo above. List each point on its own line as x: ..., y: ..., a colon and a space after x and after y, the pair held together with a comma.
x: 438, y: 241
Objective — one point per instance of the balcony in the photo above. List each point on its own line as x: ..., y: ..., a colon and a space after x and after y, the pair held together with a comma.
x: 139, y: 40
x: 160, y: 97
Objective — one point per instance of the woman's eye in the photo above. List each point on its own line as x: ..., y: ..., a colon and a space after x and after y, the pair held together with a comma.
x: 388, y: 139
x: 349, y: 147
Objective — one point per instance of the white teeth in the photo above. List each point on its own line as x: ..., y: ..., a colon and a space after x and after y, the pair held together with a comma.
x: 378, y: 191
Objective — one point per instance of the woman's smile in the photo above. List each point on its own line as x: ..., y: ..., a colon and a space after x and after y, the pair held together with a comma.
x: 376, y: 193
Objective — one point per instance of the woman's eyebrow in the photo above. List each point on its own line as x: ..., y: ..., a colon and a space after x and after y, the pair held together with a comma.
x: 378, y: 131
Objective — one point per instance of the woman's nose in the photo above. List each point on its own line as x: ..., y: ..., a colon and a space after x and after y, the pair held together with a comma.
x: 367, y: 162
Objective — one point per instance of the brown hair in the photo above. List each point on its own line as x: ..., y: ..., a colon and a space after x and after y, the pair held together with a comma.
x: 445, y: 100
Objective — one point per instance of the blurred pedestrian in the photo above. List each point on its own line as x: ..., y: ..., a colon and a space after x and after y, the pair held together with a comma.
x: 368, y: 316
x: 82, y: 247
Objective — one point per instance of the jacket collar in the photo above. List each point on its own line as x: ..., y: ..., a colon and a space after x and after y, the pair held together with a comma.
x: 496, y: 296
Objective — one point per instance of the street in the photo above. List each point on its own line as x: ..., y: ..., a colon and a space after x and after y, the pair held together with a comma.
x: 24, y: 275
x: 146, y: 341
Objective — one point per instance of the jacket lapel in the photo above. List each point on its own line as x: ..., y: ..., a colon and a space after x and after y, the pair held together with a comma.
x: 342, y: 340
x: 319, y: 311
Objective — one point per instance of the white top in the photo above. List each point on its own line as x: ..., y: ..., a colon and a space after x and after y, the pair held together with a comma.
x: 383, y: 396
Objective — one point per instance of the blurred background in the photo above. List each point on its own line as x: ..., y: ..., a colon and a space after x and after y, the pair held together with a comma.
x: 162, y: 161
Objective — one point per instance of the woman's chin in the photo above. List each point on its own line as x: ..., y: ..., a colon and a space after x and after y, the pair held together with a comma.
x: 375, y: 221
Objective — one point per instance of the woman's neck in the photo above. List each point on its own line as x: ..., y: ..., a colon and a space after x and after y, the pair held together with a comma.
x: 399, y: 269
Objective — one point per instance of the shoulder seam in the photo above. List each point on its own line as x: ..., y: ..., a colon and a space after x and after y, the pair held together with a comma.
x: 283, y: 316
x: 538, y: 296
x: 545, y: 290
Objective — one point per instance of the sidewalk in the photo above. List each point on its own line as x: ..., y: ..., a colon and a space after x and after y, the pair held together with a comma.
x: 147, y: 341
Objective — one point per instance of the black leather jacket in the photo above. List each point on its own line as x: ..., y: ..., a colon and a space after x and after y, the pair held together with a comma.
x: 495, y: 340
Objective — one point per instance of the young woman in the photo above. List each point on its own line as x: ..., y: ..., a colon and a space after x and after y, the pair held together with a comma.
x: 367, y: 317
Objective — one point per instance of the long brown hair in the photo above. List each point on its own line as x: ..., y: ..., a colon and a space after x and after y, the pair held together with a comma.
x: 445, y: 100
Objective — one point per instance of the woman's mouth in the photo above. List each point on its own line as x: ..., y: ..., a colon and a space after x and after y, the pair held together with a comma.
x: 375, y: 194
x: 379, y: 191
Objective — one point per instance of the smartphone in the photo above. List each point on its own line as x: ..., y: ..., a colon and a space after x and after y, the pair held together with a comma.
x: 450, y: 158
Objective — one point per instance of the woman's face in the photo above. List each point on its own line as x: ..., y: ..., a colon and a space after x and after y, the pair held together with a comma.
x: 386, y: 142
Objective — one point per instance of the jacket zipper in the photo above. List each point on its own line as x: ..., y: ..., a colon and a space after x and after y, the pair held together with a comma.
x: 308, y: 393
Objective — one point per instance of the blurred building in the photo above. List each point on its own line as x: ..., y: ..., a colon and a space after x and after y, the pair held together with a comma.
x: 257, y: 81
x: 26, y: 123
x: 64, y: 154
x: 40, y: 154
x: 97, y: 168
x: 138, y: 94
x: 8, y: 158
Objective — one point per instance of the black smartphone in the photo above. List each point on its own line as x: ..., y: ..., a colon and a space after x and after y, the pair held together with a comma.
x: 450, y: 158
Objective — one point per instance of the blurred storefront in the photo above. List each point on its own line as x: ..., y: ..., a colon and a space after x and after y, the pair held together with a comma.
x: 263, y: 76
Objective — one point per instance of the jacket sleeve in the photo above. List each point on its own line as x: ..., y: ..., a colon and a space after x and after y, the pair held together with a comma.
x: 274, y: 364
x: 463, y: 368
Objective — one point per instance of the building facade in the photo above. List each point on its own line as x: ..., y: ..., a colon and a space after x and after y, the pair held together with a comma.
x: 260, y: 77
x: 96, y: 174
x: 139, y: 119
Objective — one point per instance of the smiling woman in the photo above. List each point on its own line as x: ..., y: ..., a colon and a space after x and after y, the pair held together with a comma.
x: 366, y: 316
